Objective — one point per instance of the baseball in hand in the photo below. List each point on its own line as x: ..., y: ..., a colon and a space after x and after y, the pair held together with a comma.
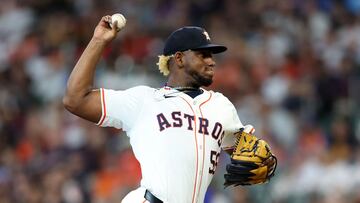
x: 121, y: 21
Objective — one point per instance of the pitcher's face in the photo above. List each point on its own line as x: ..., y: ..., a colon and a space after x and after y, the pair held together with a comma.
x: 199, y: 66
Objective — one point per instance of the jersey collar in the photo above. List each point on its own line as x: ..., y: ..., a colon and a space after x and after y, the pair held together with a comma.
x: 168, y: 92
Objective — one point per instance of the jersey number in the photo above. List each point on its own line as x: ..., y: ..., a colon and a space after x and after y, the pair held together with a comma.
x: 214, y: 158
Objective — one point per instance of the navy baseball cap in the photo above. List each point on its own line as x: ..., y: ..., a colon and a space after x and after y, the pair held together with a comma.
x: 190, y: 38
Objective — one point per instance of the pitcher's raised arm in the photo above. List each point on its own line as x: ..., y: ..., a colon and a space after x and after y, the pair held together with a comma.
x: 81, y: 98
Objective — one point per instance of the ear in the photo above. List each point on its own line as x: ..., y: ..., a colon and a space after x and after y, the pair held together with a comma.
x: 179, y: 59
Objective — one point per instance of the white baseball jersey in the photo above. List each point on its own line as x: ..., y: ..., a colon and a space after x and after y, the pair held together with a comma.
x: 176, y: 138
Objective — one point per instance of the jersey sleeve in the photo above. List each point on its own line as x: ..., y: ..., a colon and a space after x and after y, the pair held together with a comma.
x: 120, y: 109
x: 232, y: 127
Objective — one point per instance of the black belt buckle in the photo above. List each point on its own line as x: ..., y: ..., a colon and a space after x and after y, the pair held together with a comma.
x: 151, y: 198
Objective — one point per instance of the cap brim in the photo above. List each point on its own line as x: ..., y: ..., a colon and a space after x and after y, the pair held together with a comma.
x: 214, y: 48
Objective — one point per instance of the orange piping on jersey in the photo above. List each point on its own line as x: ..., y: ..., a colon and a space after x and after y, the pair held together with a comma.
x: 197, y: 156
x: 203, y: 142
x: 144, y: 201
x: 103, y: 105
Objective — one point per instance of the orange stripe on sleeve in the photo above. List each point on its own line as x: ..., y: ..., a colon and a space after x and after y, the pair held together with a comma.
x: 103, y: 107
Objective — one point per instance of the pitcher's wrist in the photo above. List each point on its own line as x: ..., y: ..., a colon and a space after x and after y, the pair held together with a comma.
x: 98, y: 41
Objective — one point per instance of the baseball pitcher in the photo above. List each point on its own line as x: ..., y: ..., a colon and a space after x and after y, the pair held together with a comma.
x: 176, y: 131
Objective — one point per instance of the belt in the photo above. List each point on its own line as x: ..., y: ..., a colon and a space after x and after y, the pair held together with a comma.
x: 151, y: 198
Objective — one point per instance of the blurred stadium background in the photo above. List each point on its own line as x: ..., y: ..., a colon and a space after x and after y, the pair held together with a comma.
x: 292, y: 70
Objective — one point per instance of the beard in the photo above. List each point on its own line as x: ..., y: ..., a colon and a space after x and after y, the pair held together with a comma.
x: 200, y: 80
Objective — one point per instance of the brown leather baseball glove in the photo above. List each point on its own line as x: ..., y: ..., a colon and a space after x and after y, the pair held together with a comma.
x: 251, y: 161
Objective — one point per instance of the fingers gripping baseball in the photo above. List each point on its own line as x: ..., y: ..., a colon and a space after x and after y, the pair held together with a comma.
x: 103, y: 31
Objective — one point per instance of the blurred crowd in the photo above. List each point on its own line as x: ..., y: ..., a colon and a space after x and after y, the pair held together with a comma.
x: 292, y: 70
